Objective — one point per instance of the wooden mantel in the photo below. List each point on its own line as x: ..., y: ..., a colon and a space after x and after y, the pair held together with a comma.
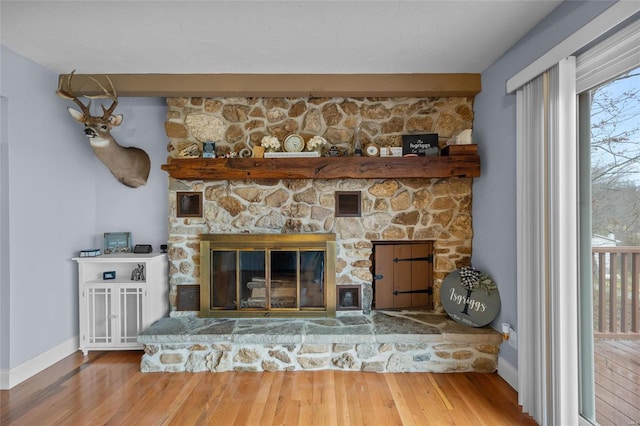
x: 281, y: 85
x: 323, y: 168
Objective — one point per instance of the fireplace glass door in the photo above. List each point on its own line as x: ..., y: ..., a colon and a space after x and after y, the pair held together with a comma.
x: 267, y: 279
x: 242, y: 275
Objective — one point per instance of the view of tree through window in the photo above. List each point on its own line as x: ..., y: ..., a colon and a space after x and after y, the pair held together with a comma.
x: 615, y: 159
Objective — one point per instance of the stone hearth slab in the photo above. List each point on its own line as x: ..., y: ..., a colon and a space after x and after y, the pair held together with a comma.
x: 384, y: 341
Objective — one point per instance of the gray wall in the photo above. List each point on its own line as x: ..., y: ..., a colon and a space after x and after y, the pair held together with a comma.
x: 494, y: 193
x: 57, y: 198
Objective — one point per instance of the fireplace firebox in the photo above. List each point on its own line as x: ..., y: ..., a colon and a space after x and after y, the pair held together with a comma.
x: 263, y: 275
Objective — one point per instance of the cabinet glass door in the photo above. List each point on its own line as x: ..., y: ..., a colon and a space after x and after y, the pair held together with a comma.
x: 100, y: 311
x: 130, y: 313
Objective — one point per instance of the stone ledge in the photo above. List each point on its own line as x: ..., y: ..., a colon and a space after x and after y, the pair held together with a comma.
x: 381, y: 342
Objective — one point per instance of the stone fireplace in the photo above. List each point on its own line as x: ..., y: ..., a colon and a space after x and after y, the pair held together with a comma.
x: 393, y: 209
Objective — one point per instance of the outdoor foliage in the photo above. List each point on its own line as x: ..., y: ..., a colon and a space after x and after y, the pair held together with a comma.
x: 615, y: 158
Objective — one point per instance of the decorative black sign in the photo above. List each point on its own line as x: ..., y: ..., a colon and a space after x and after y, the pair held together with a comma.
x: 473, y: 307
x: 420, y: 145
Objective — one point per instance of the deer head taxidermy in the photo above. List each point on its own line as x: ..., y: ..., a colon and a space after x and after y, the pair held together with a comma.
x: 130, y: 165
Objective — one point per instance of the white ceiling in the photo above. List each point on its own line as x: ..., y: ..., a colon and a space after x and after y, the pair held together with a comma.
x: 266, y: 37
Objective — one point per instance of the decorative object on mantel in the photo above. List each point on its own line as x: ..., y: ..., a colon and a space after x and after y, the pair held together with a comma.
x: 423, y: 145
x: 317, y: 144
x: 206, y: 129
x: 258, y: 151
x: 129, y: 165
x: 191, y: 151
x: 371, y: 150
x: 270, y: 143
x: 334, y: 151
x: 303, y: 154
x: 248, y: 151
x: 470, y: 297
x: 391, y: 151
x: 464, y: 137
x: 357, y: 145
x: 209, y: 150
x: 293, y: 143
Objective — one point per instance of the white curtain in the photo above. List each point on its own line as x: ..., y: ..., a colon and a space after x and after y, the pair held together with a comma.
x: 547, y: 246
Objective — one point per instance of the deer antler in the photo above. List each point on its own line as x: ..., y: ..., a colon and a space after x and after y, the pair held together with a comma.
x: 107, y: 95
x: 66, y: 93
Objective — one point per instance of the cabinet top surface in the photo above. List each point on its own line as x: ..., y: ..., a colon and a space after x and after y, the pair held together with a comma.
x: 122, y: 257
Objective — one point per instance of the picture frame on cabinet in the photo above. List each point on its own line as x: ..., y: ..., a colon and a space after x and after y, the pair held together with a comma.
x: 188, y: 204
x: 117, y: 242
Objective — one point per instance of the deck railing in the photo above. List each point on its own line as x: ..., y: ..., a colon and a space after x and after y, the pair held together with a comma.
x: 616, y: 291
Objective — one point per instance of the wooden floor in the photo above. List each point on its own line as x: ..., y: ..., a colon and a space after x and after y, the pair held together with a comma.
x: 617, y: 377
x: 106, y: 388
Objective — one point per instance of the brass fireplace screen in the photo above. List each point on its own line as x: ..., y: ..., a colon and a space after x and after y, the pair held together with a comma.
x: 256, y: 275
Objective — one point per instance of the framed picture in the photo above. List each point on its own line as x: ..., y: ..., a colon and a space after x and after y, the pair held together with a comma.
x: 348, y: 297
x: 117, y: 242
x: 189, y: 204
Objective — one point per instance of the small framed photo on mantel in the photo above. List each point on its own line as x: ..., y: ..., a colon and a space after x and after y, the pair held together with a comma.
x: 117, y: 242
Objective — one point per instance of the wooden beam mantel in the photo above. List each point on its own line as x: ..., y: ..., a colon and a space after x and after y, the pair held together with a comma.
x: 323, y: 168
x: 282, y: 85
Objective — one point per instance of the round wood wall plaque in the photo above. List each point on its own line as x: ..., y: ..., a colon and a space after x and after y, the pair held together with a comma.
x: 475, y: 308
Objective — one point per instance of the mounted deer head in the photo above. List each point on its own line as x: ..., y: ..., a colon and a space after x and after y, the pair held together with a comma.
x: 129, y: 165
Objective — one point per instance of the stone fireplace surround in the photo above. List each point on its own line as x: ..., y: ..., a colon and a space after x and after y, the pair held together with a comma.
x: 392, y: 209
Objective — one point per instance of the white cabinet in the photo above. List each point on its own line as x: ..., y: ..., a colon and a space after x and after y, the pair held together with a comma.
x: 120, y: 295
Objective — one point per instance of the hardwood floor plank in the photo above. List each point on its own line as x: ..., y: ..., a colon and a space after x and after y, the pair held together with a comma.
x: 107, y: 388
x: 382, y: 404
x: 342, y: 399
x: 403, y: 406
x: 273, y: 397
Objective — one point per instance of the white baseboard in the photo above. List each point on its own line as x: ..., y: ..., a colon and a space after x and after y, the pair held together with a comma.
x: 22, y: 372
x: 508, y: 372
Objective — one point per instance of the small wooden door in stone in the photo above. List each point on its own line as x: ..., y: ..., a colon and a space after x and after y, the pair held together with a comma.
x: 403, y: 274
